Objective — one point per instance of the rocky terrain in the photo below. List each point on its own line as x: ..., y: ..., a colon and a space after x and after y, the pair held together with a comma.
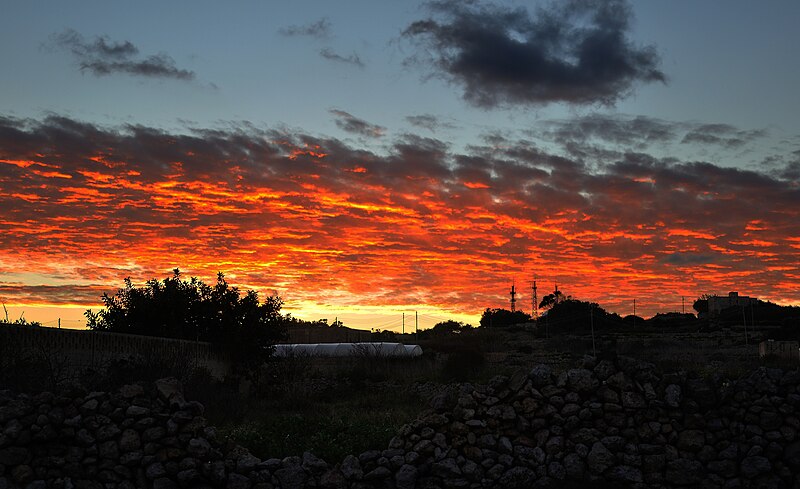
x: 608, y: 423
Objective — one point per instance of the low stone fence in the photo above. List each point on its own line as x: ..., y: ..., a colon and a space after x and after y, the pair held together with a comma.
x: 94, y: 349
x: 610, y: 423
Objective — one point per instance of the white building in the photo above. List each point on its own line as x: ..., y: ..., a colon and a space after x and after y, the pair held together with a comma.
x: 717, y: 303
x: 382, y: 350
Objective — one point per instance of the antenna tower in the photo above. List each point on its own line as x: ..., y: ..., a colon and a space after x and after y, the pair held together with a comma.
x: 513, y: 297
x: 535, y: 301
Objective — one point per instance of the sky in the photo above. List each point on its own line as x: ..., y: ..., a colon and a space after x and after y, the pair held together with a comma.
x: 372, y: 158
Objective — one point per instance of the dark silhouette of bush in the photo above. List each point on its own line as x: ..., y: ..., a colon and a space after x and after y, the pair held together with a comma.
x: 500, y: 318
x: 572, y: 315
x: 445, y: 328
x: 244, y: 327
x: 701, y: 305
x: 675, y: 321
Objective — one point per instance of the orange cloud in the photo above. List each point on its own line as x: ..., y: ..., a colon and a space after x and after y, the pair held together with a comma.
x: 329, y: 226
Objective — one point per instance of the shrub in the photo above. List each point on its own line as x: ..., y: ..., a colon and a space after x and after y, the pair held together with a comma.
x: 189, y: 309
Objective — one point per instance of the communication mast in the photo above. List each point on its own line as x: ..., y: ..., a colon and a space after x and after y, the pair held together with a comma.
x: 534, y: 301
x: 513, y: 297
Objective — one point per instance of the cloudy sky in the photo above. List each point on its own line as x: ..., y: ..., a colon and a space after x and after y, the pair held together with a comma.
x: 364, y: 159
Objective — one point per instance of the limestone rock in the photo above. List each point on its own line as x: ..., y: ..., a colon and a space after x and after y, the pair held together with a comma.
x: 752, y: 467
x: 600, y: 458
x: 581, y: 380
x: 541, y: 375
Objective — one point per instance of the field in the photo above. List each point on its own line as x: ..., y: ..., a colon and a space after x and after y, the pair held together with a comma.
x: 335, y: 407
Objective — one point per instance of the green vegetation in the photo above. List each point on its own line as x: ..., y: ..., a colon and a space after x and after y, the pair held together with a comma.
x: 335, y: 407
x: 28, y: 369
x: 445, y: 328
x: 501, y: 318
x: 352, y: 422
x: 189, y: 309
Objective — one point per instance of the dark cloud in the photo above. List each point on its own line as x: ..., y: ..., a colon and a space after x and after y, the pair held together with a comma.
x: 576, y: 51
x: 350, y: 123
x: 636, y: 131
x: 788, y: 166
x: 101, y: 46
x: 722, y: 135
x: 320, y: 29
x: 429, y: 122
x: 791, y: 171
x: 102, y: 57
x: 56, y: 294
x: 331, y: 55
x: 602, y: 138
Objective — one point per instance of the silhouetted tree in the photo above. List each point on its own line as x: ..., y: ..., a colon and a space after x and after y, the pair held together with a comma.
x: 570, y: 315
x: 701, y: 304
x: 674, y: 320
x: 495, y: 318
x: 189, y: 309
x: 446, y: 328
x: 552, y: 299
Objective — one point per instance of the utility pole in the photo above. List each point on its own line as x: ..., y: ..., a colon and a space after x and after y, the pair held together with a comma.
x: 634, y: 313
x: 59, y: 323
x: 591, y: 321
x: 404, y: 323
x: 683, y: 305
x: 513, y: 297
x: 416, y: 326
x: 744, y: 320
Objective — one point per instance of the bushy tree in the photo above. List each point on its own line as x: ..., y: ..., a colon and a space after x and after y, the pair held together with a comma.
x: 444, y: 328
x: 450, y: 326
x: 493, y: 318
x: 572, y: 315
x: 189, y: 309
x: 551, y: 300
x: 701, y: 304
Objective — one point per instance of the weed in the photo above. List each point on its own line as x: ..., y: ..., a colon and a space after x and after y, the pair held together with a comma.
x: 354, y: 422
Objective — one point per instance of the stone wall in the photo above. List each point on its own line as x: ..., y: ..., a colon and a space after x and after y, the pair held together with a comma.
x: 81, y: 349
x: 612, y: 423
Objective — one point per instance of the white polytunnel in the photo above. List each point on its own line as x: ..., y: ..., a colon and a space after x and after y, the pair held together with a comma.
x: 369, y: 349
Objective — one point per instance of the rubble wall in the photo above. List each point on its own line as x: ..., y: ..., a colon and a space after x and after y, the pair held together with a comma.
x: 610, y: 423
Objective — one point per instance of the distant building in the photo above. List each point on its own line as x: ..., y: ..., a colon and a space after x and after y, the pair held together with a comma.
x: 717, y: 303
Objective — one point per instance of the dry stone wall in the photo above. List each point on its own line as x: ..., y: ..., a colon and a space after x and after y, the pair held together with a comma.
x: 608, y: 423
x: 81, y: 349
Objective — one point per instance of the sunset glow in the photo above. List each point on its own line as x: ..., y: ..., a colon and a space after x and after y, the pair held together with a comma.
x: 277, y: 217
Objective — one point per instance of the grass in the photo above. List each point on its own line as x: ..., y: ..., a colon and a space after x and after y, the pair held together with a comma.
x: 330, y: 429
x: 336, y: 407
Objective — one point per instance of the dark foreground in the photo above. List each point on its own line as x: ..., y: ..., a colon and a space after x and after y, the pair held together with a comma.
x: 609, y: 423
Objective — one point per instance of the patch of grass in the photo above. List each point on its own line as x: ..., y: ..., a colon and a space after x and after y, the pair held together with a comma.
x: 463, y: 365
x: 356, y: 422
